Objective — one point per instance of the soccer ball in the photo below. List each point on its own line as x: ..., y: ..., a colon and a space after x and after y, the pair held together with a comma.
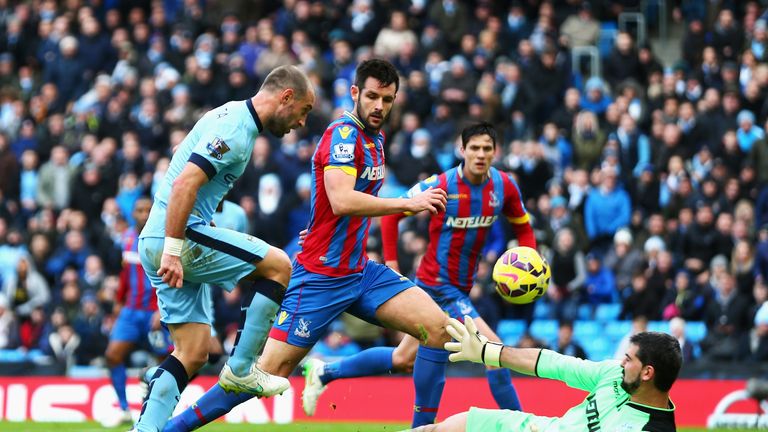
x: 521, y: 275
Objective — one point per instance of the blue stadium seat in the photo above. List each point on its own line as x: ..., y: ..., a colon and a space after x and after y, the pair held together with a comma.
x: 545, y: 330
x: 585, y: 330
x: 510, y: 331
x: 608, y: 312
x: 658, y: 326
x: 695, y: 331
x: 615, y: 330
x: 541, y: 310
x: 599, y: 348
x: 585, y: 312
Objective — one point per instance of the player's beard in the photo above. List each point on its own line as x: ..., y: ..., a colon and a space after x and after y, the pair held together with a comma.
x: 630, y: 387
x: 364, y: 118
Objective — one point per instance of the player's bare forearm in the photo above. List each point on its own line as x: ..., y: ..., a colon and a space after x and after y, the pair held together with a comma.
x: 522, y: 360
x: 354, y: 203
x: 346, y: 201
x: 179, y: 207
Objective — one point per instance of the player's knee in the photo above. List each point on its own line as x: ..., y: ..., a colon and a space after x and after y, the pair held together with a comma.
x: 192, y: 359
x: 436, y: 335
x: 195, y: 361
x: 113, y: 357
x: 280, y: 267
x: 402, y: 362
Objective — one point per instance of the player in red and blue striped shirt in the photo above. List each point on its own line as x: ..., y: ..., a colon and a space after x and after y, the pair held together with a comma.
x: 478, y: 195
x: 332, y: 274
x: 136, y: 302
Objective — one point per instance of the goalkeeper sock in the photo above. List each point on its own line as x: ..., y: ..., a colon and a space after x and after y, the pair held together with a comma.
x: 500, y: 381
x: 256, y: 318
x: 212, y: 405
x: 373, y: 361
x: 429, y: 380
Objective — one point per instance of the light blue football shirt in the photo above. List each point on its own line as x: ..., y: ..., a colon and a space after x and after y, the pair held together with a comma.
x: 220, y: 143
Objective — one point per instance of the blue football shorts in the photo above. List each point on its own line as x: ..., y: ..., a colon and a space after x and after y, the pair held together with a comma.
x: 210, y: 255
x: 132, y: 325
x: 313, y: 301
x: 454, y: 301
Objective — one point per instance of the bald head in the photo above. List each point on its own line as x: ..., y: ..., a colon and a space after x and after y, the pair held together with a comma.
x: 287, y: 77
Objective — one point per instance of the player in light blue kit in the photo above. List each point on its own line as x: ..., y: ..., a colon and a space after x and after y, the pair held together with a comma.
x: 182, y: 253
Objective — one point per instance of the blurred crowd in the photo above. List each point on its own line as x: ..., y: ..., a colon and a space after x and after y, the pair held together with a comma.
x: 646, y: 184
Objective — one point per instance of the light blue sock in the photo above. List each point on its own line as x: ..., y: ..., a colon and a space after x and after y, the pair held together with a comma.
x: 373, y: 361
x: 256, y: 320
x: 165, y: 388
x: 429, y: 380
x: 117, y: 374
x: 500, y: 381
x: 212, y: 405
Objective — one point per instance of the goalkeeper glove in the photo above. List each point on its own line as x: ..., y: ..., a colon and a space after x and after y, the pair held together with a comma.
x: 471, y: 344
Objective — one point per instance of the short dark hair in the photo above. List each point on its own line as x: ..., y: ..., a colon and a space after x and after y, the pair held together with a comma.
x: 662, y: 351
x: 477, y: 129
x: 381, y: 70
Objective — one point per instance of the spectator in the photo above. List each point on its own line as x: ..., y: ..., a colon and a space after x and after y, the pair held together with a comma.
x: 641, y: 301
x: 7, y: 324
x: 727, y: 37
x: 684, y: 300
x: 759, y: 342
x: 727, y: 321
x: 54, y: 185
x: 748, y: 133
x: 362, y: 24
x: 607, y: 209
x: 596, y: 98
x: 588, y: 140
x: 417, y: 163
x: 623, y: 260
x: 623, y: 62
x: 677, y: 329
x: 27, y: 289
x: 568, y: 275
x: 565, y: 343
x: 639, y: 325
x: 700, y: 242
x: 391, y: 39
x: 66, y: 72
x: 600, y: 284
x: 581, y: 29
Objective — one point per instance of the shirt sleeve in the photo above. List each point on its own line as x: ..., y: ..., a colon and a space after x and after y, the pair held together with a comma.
x: 342, y: 150
x: 217, y: 149
x: 514, y: 209
x: 577, y: 373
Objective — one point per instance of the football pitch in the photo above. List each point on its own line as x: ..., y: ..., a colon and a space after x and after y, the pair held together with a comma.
x: 294, y: 427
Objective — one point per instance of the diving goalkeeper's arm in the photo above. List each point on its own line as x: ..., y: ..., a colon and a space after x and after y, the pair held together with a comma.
x: 474, y: 347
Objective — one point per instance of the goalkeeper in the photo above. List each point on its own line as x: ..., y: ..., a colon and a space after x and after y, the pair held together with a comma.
x: 632, y: 395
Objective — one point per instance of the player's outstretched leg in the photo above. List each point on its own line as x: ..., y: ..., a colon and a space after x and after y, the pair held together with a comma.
x: 370, y: 362
x: 500, y: 382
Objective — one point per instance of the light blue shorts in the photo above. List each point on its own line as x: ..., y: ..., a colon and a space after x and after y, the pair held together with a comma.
x: 210, y: 255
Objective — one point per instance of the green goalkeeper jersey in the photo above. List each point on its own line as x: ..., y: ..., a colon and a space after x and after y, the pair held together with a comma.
x: 607, y: 408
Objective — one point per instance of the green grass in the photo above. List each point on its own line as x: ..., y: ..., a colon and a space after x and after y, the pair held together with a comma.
x: 218, y: 427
